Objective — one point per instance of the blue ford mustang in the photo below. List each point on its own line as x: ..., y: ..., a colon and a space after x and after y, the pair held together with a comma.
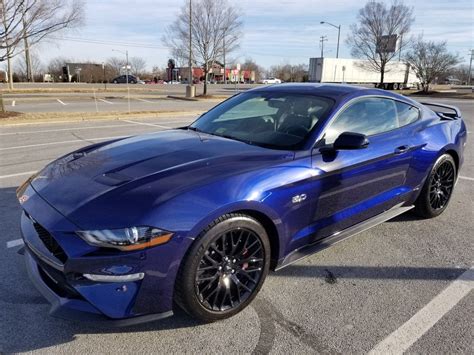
x: 195, y: 217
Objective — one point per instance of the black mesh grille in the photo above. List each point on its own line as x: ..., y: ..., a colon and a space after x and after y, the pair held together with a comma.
x: 56, y: 281
x: 50, y: 243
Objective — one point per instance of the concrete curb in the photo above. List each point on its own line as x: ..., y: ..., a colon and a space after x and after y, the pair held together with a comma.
x: 118, y: 116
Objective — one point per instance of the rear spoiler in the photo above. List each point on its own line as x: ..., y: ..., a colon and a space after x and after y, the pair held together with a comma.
x: 445, y: 112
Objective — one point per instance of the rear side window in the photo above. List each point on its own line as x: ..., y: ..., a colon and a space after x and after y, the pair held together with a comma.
x: 406, y: 113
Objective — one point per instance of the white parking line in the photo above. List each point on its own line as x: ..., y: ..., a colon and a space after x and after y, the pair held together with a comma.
x: 13, y: 103
x: 405, y: 336
x: 143, y: 100
x: 466, y: 178
x: 62, y: 142
x: 14, y: 243
x: 147, y: 124
x: 62, y: 103
x: 107, y: 102
x: 65, y: 129
x: 18, y: 174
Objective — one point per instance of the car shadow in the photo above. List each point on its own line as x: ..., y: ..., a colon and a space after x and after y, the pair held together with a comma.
x: 409, y: 216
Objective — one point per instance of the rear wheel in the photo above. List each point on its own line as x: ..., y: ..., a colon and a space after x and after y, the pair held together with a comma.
x: 224, y: 268
x: 438, y: 188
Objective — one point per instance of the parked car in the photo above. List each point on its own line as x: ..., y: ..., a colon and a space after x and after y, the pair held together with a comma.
x: 271, y: 81
x: 195, y: 217
x: 122, y: 79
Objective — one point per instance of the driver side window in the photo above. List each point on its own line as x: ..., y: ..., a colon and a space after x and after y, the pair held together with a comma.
x: 366, y: 116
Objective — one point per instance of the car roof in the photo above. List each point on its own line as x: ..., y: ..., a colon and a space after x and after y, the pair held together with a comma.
x: 336, y: 92
x: 328, y: 90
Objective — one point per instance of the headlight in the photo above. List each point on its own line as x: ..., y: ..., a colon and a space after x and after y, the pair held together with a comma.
x: 134, y: 238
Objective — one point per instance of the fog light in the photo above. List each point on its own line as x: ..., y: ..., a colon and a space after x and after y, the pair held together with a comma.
x: 115, y: 278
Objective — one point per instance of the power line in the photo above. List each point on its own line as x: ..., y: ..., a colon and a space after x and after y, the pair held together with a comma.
x: 105, y: 42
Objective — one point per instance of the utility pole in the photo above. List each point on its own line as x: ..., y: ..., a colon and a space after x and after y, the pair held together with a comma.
x: 322, y: 40
x: 225, y: 76
x: 29, y: 70
x: 470, y: 68
x: 7, y: 45
x: 190, y: 90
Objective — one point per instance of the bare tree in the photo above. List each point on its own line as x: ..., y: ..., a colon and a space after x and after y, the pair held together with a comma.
x: 376, y: 31
x: 137, y: 66
x: 213, y: 24
x: 115, y: 65
x: 461, y: 72
x: 55, y: 66
x: 25, y: 69
x: 430, y: 60
x: 290, y: 73
x: 159, y: 72
x: 31, y: 21
x: 251, y: 65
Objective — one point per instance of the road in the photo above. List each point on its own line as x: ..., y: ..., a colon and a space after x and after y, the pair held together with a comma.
x: 406, y: 281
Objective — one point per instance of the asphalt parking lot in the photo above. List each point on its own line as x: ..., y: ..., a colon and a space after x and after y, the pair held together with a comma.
x: 406, y: 283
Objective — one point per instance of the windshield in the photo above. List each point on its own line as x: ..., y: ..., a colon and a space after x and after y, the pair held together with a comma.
x: 267, y: 119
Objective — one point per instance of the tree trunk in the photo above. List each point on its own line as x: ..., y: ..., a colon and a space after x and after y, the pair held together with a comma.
x: 426, y: 87
x: 2, y: 106
x: 10, y: 71
x: 206, y: 76
x: 382, y: 74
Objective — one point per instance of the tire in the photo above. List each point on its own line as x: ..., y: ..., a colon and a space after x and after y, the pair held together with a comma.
x: 214, y: 281
x: 437, y: 189
x: 115, y: 82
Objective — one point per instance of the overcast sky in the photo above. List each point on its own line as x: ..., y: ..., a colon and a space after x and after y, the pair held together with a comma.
x: 274, y: 32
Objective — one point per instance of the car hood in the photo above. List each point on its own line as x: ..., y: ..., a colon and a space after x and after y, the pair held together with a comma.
x: 162, y: 164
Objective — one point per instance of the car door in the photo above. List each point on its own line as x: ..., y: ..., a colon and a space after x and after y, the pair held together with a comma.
x: 354, y: 185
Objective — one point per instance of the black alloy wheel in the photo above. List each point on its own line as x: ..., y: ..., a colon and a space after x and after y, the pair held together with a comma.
x: 438, y: 188
x: 224, y: 268
x: 441, y: 185
x: 229, y: 270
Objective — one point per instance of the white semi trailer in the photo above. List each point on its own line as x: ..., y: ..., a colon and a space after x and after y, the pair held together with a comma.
x: 355, y: 71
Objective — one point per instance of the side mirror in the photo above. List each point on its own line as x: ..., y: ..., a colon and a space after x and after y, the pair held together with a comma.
x: 350, y: 140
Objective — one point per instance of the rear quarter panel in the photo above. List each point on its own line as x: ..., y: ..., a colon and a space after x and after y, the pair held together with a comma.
x: 434, y: 138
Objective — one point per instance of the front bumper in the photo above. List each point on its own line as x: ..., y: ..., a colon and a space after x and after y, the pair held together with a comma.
x: 57, y: 260
x: 74, y: 308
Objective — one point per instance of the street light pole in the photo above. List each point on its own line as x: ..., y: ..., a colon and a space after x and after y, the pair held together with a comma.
x: 470, y: 68
x: 338, y: 35
x: 126, y: 74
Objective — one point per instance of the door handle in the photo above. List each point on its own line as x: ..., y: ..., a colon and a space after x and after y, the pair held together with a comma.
x: 402, y: 149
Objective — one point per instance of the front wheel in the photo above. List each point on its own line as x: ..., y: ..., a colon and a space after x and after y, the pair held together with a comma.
x: 438, y: 188
x: 224, y: 268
